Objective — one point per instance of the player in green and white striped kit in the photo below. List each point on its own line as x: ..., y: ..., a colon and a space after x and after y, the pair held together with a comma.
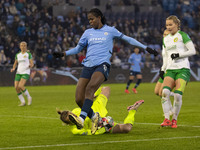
x: 24, y: 61
x: 178, y: 47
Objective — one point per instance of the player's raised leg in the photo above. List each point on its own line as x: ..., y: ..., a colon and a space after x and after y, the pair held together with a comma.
x: 129, y: 120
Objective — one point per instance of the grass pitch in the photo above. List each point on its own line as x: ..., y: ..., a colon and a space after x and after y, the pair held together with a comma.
x: 38, y: 126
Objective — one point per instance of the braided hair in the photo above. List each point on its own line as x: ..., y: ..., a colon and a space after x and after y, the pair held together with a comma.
x: 96, y: 12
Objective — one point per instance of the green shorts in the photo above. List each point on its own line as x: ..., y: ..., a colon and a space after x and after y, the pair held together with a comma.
x: 160, y: 80
x: 179, y: 74
x: 19, y: 76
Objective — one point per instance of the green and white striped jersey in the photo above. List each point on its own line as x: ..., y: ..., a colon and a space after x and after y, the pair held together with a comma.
x: 177, y: 43
x: 23, y: 62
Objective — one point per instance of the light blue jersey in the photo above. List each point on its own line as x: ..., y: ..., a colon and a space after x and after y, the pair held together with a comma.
x: 99, y: 43
x: 135, y: 60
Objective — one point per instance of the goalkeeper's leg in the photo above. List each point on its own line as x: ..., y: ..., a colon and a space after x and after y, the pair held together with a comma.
x: 129, y: 120
x: 128, y: 123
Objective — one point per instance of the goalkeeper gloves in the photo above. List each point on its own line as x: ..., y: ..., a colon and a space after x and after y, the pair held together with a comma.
x: 58, y: 54
x: 152, y: 51
x: 161, y: 74
x: 174, y: 55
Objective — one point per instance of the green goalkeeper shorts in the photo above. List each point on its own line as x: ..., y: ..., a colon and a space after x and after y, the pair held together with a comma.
x: 19, y: 76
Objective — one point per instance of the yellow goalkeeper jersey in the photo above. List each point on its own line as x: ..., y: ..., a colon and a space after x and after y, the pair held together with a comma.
x: 99, y: 105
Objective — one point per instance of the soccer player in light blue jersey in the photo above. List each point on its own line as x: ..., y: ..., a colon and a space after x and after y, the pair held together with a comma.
x: 99, y: 43
x: 135, y: 70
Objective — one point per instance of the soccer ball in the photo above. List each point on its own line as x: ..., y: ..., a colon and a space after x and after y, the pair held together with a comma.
x: 106, y: 122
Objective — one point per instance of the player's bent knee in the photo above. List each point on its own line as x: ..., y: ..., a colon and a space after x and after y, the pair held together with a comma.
x: 156, y: 92
x: 21, y: 87
x: 166, y: 92
x: 90, y: 90
x: 127, y: 128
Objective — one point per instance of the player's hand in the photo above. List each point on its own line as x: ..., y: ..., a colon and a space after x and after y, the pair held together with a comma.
x: 31, y: 66
x: 152, y: 51
x: 174, y: 55
x: 11, y: 70
x: 161, y: 74
x: 58, y: 54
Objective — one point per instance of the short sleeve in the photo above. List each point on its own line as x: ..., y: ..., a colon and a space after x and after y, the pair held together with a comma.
x: 83, y: 40
x: 185, y: 37
x: 16, y: 56
x: 29, y: 56
x: 163, y: 43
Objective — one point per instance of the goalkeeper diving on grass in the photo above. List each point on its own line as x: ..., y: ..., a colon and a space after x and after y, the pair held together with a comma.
x: 106, y: 123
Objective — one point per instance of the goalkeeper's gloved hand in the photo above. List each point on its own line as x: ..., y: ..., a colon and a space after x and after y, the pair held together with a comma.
x: 174, y: 55
x: 161, y: 74
x: 152, y: 51
x: 58, y: 54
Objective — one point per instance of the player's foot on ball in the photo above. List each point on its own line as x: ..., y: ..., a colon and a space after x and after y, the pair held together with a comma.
x: 134, y: 90
x: 95, y: 122
x: 76, y: 120
x: 29, y: 100
x: 136, y: 105
x: 126, y: 91
x: 174, y: 123
x: 166, y: 123
x: 22, y: 104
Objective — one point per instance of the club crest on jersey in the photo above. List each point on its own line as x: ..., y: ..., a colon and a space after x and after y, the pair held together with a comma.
x: 105, y: 33
x: 176, y: 39
x: 24, y: 56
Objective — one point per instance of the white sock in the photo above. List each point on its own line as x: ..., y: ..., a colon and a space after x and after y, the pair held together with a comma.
x: 21, y: 98
x: 26, y: 93
x: 82, y: 119
x: 177, y: 105
x: 166, y: 103
x: 170, y: 108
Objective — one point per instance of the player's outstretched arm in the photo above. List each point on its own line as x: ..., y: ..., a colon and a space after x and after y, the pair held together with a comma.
x: 134, y: 42
x: 72, y: 51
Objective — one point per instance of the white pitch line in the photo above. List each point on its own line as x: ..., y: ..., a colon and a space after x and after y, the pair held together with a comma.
x: 96, y: 143
x: 156, y: 124
x: 21, y: 116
